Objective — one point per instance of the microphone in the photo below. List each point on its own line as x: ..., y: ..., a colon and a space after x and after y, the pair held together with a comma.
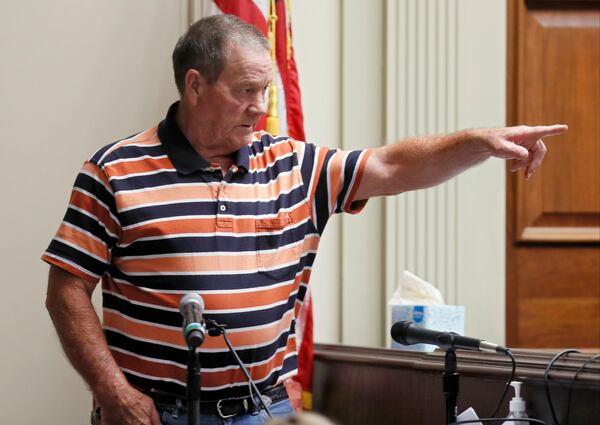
x: 408, y: 333
x: 191, y: 308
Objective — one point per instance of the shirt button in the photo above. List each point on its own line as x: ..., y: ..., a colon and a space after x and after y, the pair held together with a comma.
x: 222, y: 208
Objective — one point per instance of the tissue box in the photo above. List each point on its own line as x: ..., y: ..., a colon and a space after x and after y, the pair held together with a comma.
x: 449, y: 318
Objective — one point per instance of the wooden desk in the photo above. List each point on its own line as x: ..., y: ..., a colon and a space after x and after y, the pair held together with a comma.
x: 365, y: 386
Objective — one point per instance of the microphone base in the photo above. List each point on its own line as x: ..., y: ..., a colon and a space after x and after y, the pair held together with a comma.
x: 450, y: 386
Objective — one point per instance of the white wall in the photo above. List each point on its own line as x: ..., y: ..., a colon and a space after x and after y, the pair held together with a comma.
x: 75, y: 75
x: 446, y: 70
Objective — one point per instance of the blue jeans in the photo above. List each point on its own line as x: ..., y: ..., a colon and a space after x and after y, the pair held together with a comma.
x: 279, y: 408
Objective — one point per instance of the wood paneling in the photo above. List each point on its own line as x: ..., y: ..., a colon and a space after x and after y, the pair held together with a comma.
x: 377, y: 386
x: 553, y: 253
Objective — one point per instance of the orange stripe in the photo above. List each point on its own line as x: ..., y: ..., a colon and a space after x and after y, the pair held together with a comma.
x: 319, y: 160
x: 143, y: 165
x: 218, y: 301
x: 142, y: 330
x: 283, y: 184
x: 205, y: 225
x: 148, y: 367
x: 151, y: 332
x: 237, y: 262
x: 84, y: 241
x: 91, y: 205
x: 209, y: 379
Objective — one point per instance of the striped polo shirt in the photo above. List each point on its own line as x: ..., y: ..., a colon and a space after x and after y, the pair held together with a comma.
x: 153, y: 220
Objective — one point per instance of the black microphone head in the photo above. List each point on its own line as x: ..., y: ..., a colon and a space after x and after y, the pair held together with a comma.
x: 398, y: 332
x: 191, y: 298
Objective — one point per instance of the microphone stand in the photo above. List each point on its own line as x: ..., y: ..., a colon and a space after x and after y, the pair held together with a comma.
x: 193, y: 387
x: 216, y: 329
x: 450, y: 385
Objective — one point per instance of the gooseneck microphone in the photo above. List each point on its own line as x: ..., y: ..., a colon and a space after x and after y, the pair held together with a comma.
x: 408, y: 333
x: 191, y: 307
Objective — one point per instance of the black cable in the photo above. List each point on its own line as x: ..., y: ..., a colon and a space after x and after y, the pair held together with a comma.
x: 546, y: 375
x: 526, y: 420
x: 588, y: 361
x: 512, y: 377
x: 252, y: 385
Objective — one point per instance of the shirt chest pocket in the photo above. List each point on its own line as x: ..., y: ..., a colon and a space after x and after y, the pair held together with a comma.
x: 277, y: 249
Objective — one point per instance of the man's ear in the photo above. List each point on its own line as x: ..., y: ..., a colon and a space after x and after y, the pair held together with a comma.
x: 195, y: 84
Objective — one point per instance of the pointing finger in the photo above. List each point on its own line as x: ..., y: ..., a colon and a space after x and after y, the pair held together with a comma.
x: 541, y: 131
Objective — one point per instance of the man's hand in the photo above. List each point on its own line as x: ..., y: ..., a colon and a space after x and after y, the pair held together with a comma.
x: 523, y: 144
x: 130, y: 407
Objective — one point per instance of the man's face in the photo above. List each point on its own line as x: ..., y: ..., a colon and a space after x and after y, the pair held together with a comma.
x: 227, y: 111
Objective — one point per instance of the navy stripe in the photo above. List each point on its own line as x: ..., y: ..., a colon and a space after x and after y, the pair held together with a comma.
x: 207, y: 360
x: 322, y: 195
x: 89, y: 224
x: 173, y: 318
x: 348, y: 173
x: 221, y: 243
x: 90, y: 264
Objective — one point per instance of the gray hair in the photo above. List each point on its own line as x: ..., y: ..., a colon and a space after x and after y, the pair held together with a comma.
x: 205, y: 46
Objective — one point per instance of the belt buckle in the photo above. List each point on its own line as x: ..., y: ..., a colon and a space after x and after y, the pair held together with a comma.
x: 223, y: 416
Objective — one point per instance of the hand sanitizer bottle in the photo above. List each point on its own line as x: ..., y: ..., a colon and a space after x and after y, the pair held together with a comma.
x: 516, y: 406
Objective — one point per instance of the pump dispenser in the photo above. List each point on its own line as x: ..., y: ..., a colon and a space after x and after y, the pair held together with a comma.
x: 516, y: 405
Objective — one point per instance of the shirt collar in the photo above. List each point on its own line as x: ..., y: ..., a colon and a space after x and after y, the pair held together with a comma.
x: 182, y: 154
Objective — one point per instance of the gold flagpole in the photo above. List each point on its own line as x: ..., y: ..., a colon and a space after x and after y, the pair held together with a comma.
x: 272, y: 113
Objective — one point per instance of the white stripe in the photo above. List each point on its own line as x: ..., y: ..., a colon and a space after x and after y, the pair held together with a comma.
x: 145, y: 173
x: 166, y: 186
x: 269, y: 147
x: 271, y: 164
x: 173, y: 202
x: 117, y: 145
x: 134, y: 159
x: 153, y: 378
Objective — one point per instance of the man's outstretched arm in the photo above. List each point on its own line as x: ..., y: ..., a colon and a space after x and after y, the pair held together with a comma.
x: 69, y: 303
x: 424, y: 162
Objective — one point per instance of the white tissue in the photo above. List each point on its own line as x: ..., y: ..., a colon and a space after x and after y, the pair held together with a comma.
x: 412, y: 290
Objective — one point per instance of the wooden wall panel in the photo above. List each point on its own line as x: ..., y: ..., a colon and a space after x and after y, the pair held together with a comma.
x: 553, y: 252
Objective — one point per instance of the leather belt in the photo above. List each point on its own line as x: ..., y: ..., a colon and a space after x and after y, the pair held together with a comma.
x: 224, y: 408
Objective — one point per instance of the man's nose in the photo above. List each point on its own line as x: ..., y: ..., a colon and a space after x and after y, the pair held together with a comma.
x: 259, y: 105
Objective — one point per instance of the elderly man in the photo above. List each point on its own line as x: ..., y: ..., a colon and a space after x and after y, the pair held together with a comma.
x: 203, y: 203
